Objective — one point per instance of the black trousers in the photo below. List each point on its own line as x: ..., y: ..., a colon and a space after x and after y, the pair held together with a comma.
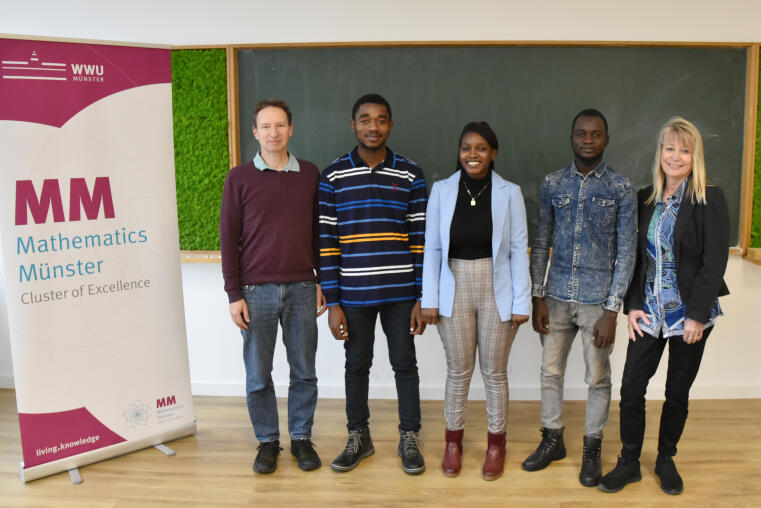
x: 642, y: 359
x: 395, y: 320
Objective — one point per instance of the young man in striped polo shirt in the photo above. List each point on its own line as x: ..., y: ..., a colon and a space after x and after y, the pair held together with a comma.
x: 372, y: 224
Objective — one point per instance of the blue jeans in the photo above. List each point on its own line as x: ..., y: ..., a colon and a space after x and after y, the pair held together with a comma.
x: 293, y: 306
x: 395, y: 320
x: 566, y: 320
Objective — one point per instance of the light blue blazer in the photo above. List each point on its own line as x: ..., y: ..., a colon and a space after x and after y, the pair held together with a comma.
x: 509, y: 245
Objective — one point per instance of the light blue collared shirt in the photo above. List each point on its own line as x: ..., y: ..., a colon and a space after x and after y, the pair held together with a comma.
x: 293, y: 164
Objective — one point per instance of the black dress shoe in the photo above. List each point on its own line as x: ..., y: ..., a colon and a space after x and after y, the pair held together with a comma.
x: 671, y: 482
x: 303, y: 450
x: 266, y: 458
x: 358, y: 446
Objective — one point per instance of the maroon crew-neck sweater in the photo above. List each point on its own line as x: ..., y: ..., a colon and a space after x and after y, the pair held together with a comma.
x: 268, y: 226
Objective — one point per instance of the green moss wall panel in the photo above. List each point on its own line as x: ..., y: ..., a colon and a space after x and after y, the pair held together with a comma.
x: 201, y: 157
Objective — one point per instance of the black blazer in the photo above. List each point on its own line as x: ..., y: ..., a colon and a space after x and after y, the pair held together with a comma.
x: 701, y: 250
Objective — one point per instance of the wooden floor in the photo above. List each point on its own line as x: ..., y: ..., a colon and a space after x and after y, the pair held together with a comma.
x: 719, y: 459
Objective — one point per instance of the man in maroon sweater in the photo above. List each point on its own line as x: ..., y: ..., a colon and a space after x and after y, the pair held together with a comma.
x: 268, y: 234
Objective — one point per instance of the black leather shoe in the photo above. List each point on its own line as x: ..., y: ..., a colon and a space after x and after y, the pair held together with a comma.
x: 303, y: 450
x: 624, y: 473
x: 551, y: 448
x: 266, y: 458
x: 357, y: 448
x: 671, y: 482
x: 591, y: 469
x: 409, y: 451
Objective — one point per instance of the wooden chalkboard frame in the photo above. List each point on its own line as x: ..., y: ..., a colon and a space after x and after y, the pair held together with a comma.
x: 750, y: 120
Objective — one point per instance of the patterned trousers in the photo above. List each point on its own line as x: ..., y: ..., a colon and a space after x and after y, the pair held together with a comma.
x: 475, y: 325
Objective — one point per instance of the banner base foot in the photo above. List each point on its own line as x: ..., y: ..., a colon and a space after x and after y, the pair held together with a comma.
x: 165, y: 449
x: 74, y: 476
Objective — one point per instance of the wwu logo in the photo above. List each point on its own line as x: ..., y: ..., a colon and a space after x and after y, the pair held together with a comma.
x: 87, y: 70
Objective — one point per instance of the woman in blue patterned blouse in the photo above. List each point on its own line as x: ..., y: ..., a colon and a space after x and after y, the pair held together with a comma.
x: 682, y: 253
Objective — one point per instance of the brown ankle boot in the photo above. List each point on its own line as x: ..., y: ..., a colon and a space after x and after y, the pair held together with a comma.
x: 495, y: 457
x: 452, y: 453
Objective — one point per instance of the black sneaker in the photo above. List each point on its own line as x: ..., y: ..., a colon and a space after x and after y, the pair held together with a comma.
x: 591, y: 469
x: 671, y: 482
x: 266, y: 458
x: 550, y: 448
x: 624, y: 473
x: 409, y: 451
x: 357, y: 448
x: 303, y: 450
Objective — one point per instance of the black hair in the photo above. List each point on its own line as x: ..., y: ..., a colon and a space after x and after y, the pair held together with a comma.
x: 370, y: 98
x: 590, y: 112
x: 275, y: 103
x: 484, y: 130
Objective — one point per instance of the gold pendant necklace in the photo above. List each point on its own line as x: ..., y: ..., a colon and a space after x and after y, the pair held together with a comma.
x: 472, y: 197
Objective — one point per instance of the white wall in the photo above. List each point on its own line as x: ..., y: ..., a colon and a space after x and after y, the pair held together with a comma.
x: 249, y: 21
x: 730, y: 365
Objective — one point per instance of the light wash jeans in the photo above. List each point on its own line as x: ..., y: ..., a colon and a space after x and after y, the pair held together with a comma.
x: 293, y: 306
x: 566, y: 319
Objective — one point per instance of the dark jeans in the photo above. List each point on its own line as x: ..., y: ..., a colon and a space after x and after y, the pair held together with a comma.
x: 642, y: 358
x: 395, y: 320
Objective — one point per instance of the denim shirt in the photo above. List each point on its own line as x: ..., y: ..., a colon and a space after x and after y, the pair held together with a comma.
x: 662, y: 303
x: 591, y: 223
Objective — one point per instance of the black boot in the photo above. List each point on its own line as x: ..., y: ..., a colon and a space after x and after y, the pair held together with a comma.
x: 551, y: 448
x: 266, y: 458
x: 303, y: 450
x: 357, y: 448
x: 625, y: 472
x: 409, y: 451
x: 671, y: 482
x: 591, y: 470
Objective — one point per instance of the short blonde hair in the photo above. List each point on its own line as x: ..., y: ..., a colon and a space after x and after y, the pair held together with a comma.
x: 689, y: 136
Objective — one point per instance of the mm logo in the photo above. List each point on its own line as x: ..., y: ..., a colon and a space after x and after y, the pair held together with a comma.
x: 87, y: 70
x: 166, y: 401
x: 80, y: 197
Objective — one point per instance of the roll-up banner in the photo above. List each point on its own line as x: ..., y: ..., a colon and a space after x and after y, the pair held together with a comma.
x: 90, y: 251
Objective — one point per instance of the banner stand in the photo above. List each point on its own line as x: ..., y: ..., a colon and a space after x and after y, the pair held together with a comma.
x: 90, y: 251
x: 74, y: 476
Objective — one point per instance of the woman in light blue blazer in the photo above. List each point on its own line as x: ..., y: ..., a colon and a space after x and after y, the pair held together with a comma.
x: 476, y: 286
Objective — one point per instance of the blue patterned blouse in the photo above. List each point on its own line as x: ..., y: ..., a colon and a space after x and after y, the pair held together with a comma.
x: 663, y: 303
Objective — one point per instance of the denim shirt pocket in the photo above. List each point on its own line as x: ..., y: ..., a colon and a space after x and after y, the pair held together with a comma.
x: 562, y: 207
x: 602, y: 213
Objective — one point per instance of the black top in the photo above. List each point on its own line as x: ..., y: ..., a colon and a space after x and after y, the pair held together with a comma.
x: 471, y: 230
x: 701, y: 249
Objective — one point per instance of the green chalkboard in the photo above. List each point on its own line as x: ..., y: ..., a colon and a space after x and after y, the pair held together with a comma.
x: 529, y: 95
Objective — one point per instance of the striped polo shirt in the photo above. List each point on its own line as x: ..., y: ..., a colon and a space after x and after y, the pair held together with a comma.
x: 372, y: 230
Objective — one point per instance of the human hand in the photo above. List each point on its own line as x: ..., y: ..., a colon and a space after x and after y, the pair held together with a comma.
x: 239, y: 314
x: 634, y: 329
x: 604, y: 331
x: 693, y: 331
x: 518, y: 320
x: 540, y: 316
x: 431, y: 316
x: 337, y: 322
x: 321, y: 302
x: 417, y: 324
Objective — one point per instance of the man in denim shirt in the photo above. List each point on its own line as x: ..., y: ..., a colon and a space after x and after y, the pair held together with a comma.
x: 587, y: 213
